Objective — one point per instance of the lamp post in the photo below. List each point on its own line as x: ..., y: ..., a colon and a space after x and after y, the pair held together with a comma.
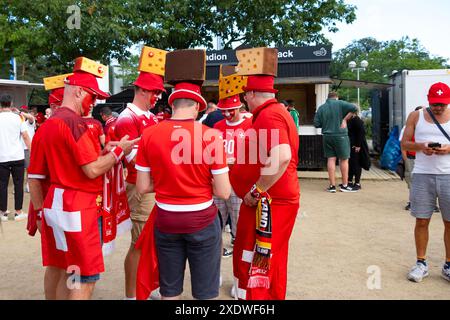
x: 352, y: 65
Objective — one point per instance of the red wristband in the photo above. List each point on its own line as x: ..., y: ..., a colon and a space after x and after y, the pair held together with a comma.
x: 118, y: 153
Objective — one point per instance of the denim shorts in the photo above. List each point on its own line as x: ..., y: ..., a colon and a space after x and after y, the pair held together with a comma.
x: 203, y: 251
x: 426, y: 190
x: 95, y: 277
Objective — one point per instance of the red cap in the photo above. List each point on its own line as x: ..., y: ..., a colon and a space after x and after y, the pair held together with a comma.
x: 439, y: 93
x: 86, y: 80
x: 150, y: 81
x: 187, y: 90
x: 260, y: 83
x: 229, y: 103
x: 56, y: 96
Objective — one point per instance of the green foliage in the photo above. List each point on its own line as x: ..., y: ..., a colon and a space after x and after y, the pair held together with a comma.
x: 108, y: 28
x: 384, y: 57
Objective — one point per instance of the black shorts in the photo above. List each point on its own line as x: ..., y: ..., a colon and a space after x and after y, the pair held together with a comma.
x: 203, y: 251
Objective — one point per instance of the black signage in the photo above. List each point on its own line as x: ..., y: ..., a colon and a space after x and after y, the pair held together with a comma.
x: 285, y: 55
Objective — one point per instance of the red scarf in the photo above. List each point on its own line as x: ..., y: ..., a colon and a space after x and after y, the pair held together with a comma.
x: 259, y: 269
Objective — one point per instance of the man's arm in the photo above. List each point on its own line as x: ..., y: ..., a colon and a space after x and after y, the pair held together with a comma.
x: 144, y: 182
x: 36, y: 194
x: 407, y: 144
x: 222, y: 186
x: 103, y: 163
x: 26, y: 139
x: 317, y: 119
x: 276, y: 165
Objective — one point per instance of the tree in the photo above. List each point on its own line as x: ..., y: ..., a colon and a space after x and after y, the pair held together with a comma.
x: 108, y: 28
x: 384, y: 57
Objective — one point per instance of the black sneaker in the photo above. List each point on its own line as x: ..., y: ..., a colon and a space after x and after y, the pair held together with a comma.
x: 331, y: 189
x: 436, y: 209
x: 232, y: 241
x: 408, y: 206
x: 227, y: 253
x: 343, y: 188
x: 355, y: 186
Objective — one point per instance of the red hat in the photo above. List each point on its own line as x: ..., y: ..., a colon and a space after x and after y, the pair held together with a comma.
x: 229, y: 103
x: 439, y: 93
x: 150, y: 81
x: 86, y: 80
x: 260, y: 83
x: 56, y: 96
x: 187, y: 90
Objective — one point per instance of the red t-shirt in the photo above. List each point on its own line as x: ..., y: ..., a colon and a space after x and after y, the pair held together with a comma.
x: 182, y: 156
x: 60, y: 148
x: 109, y: 130
x: 96, y: 129
x: 132, y: 122
x: 233, y: 134
x: 273, y: 126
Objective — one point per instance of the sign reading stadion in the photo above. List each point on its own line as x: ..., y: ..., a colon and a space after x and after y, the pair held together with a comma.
x: 285, y: 55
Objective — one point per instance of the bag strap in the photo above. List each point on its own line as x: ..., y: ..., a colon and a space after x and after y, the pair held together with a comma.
x: 438, y: 124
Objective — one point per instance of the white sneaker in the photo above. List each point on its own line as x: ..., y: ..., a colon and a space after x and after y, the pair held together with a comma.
x: 4, y: 217
x: 20, y: 216
x: 446, y: 273
x: 418, y: 272
x: 155, y: 295
x: 233, y: 292
x: 220, y: 281
x: 227, y: 228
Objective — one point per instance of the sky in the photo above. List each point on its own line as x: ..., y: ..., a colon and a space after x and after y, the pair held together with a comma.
x: 426, y: 20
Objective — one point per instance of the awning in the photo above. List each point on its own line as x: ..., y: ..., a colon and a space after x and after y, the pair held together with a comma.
x: 337, y: 83
x: 20, y: 83
x: 281, y: 81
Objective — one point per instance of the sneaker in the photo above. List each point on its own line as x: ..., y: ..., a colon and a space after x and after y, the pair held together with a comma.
x: 408, y: 206
x: 233, y: 292
x: 331, y: 189
x: 446, y: 272
x: 232, y: 241
x: 227, y: 253
x: 4, y: 217
x: 27, y: 188
x: 343, y: 188
x: 355, y: 186
x: 227, y: 228
x: 418, y: 272
x: 155, y: 295
x: 436, y: 209
x: 20, y: 216
x: 220, y: 281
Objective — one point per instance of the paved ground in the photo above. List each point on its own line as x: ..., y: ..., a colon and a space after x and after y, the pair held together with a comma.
x: 337, y: 239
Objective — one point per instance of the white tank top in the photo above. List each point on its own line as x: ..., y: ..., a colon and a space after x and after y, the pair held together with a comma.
x: 429, y: 132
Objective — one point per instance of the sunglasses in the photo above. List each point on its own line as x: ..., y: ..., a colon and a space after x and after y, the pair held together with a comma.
x: 438, y: 105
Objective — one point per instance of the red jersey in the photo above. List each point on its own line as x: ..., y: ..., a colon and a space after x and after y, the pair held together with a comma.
x: 132, y: 122
x: 109, y: 130
x: 233, y: 134
x: 64, y: 144
x: 182, y: 156
x: 96, y: 129
x: 273, y: 126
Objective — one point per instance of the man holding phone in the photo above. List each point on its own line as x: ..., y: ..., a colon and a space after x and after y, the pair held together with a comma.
x: 431, y: 173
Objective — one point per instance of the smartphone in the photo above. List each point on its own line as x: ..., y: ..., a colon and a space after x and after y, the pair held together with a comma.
x: 434, y: 145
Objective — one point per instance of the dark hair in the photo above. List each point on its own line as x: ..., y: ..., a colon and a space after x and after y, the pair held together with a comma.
x: 5, y: 100
x: 418, y: 108
x: 213, y: 101
x: 290, y: 102
x: 284, y: 102
x: 106, y: 111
